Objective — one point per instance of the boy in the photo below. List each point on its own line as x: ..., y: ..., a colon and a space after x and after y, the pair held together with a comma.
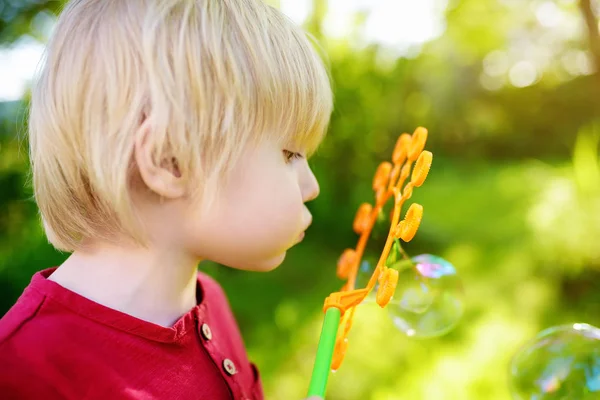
x: 162, y: 133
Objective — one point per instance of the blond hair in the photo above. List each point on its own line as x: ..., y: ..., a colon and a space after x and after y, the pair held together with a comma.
x: 211, y: 75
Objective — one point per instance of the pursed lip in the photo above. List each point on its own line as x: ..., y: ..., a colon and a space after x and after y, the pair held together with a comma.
x: 303, y: 233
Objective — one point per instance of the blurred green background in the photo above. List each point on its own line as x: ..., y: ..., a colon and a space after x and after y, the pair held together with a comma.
x: 509, y: 91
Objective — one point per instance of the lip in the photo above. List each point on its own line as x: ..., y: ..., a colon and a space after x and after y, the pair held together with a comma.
x: 303, y: 233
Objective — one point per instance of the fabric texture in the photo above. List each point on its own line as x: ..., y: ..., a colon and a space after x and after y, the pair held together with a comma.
x: 56, y: 344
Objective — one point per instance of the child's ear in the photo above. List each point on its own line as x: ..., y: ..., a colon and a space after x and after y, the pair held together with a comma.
x: 163, y: 178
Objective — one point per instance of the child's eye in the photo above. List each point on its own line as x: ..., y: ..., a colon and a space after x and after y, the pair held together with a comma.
x: 290, y: 155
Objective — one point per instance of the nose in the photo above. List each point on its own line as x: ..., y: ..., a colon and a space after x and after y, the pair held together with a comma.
x: 309, y: 185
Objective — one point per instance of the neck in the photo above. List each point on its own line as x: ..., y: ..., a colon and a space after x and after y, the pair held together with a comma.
x: 155, y: 285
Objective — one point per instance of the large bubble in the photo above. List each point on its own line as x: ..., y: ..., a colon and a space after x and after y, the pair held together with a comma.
x: 562, y: 362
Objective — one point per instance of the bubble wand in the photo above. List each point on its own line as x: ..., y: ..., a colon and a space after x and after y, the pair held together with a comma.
x: 340, y: 306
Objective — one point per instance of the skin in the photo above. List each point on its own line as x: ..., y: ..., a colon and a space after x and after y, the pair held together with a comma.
x: 258, y: 215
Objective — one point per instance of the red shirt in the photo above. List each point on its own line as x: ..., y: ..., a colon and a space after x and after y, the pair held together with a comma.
x: 56, y: 344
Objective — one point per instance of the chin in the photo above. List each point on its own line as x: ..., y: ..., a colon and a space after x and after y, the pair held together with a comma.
x: 271, y: 264
x: 265, y: 265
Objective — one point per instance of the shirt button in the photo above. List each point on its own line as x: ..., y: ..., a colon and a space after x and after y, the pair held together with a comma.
x: 229, y: 367
x: 206, y: 332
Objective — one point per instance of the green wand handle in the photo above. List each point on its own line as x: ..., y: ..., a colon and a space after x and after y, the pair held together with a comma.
x: 322, y: 368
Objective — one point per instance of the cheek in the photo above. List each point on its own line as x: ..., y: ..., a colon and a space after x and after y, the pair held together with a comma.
x: 253, y: 223
x: 269, y: 212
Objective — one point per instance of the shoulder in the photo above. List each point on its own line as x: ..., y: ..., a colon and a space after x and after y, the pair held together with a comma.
x: 34, y: 329
x: 23, y: 338
x: 37, y: 330
x: 20, y: 314
x: 32, y: 317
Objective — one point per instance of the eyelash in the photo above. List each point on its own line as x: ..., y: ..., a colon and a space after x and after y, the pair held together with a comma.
x: 290, y: 155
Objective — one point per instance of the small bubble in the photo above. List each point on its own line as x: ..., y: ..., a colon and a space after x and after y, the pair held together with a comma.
x: 429, y: 298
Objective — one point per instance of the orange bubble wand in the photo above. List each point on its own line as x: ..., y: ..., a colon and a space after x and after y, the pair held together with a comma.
x: 339, y: 307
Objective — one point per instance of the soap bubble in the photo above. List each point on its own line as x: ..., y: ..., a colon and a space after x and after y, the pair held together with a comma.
x: 428, y: 301
x: 561, y: 362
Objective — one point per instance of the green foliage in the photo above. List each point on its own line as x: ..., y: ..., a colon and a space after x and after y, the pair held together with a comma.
x: 511, y: 200
x: 18, y: 18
